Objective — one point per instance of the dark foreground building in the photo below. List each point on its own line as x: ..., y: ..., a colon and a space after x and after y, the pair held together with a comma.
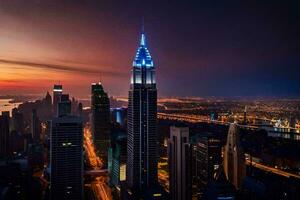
x: 100, y: 119
x: 66, y: 156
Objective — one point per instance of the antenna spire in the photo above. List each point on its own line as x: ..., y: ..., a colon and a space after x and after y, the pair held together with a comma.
x: 143, y: 39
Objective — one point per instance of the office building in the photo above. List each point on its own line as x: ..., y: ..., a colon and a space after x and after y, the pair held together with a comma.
x: 117, y: 158
x: 64, y: 105
x: 57, y: 92
x: 234, y: 158
x: 66, y: 156
x: 207, y: 158
x: 17, y: 121
x: 100, y: 120
x: 47, y: 106
x: 4, y: 135
x: 141, y: 168
x: 179, y: 163
x: 35, y: 126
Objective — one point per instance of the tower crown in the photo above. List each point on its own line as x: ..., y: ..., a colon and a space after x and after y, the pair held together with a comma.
x: 143, y: 57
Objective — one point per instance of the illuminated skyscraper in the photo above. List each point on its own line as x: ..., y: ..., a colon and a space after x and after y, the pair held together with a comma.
x: 141, y: 169
x: 57, y: 92
x: 234, y: 158
x: 100, y: 119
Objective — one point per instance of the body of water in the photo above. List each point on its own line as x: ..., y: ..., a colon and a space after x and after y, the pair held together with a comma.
x: 5, y: 105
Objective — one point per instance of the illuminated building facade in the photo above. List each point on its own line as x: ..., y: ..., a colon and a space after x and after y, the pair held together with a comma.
x: 234, y: 158
x: 141, y: 168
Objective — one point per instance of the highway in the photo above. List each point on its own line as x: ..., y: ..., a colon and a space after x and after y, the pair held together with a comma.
x: 163, y: 175
x: 197, y: 119
x: 99, y: 185
x: 271, y: 169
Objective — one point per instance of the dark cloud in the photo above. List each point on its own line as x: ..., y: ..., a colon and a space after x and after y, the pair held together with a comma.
x: 73, y: 69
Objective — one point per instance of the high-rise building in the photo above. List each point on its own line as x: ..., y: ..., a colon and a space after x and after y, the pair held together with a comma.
x: 245, y: 116
x: 100, y: 120
x: 141, y: 168
x: 17, y: 121
x: 35, y: 126
x: 47, y: 106
x: 57, y: 92
x: 4, y: 134
x: 206, y: 160
x: 66, y: 157
x: 79, y: 109
x: 179, y: 163
x: 234, y: 158
x: 64, y: 105
x: 117, y: 158
x: 119, y: 116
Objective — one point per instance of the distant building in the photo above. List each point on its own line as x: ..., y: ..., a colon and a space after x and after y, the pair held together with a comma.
x: 47, y: 106
x: 141, y: 167
x: 117, y: 158
x: 119, y: 116
x: 35, y: 126
x: 245, y: 116
x: 79, y: 109
x: 206, y: 160
x: 214, y: 116
x: 100, y: 119
x: 179, y: 163
x: 234, y: 158
x: 4, y: 134
x: 57, y: 92
x: 17, y: 121
x: 66, y: 159
x: 64, y: 105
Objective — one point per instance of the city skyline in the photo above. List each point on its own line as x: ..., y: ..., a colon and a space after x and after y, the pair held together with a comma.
x: 229, y: 49
x: 150, y: 100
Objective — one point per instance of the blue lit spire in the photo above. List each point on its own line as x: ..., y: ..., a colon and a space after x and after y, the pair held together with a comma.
x: 143, y: 57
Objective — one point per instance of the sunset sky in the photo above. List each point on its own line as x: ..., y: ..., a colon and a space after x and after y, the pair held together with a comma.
x: 232, y: 49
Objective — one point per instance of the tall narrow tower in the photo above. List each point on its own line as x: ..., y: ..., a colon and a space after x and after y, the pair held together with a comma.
x: 57, y: 92
x: 179, y: 163
x: 141, y: 169
x: 234, y: 158
x: 66, y: 159
x: 100, y: 120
